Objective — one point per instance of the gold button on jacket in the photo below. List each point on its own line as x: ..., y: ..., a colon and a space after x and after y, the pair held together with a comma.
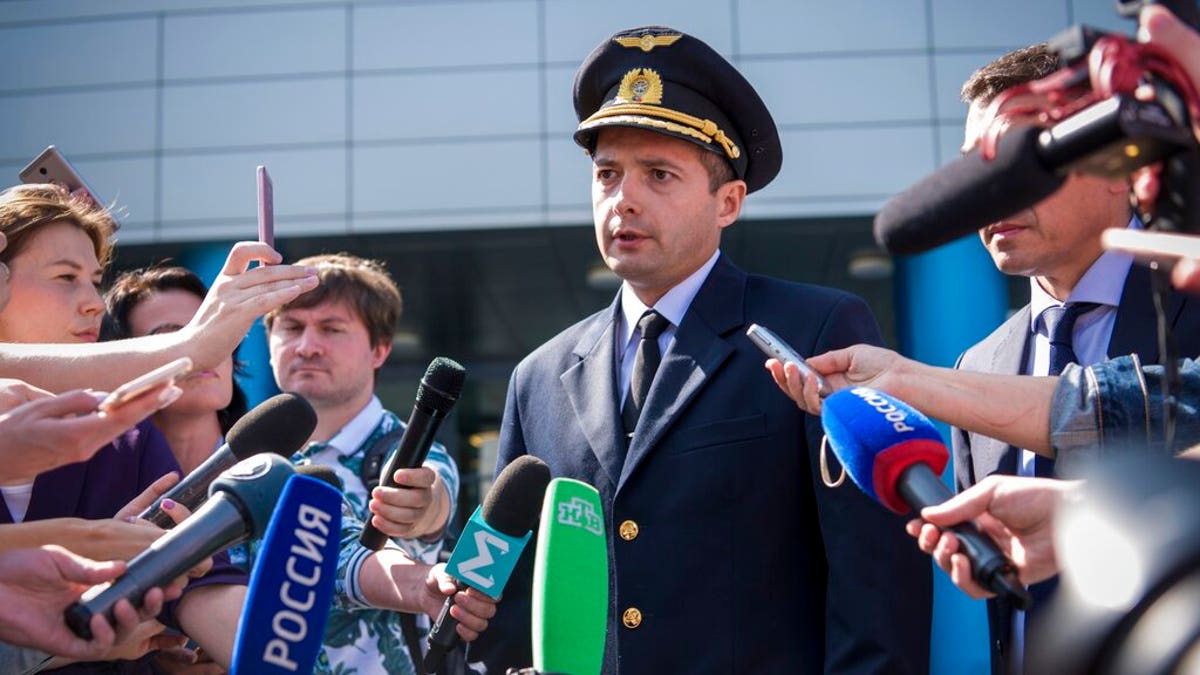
x: 628, y: 530
x: 632, y: 617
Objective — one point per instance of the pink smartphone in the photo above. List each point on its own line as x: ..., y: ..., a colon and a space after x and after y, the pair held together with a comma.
x: 143, y: 383
x: 51, y: 167
x: 266, y: 208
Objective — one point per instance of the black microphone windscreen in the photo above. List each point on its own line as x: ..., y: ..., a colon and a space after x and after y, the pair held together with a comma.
x: 514, y: 503
x: 321, y: 472
x: 442, y: 384
x: 281, y: 424
x: 966, y: 195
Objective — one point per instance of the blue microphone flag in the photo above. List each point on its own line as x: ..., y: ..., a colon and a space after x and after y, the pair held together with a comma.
x: 485, y: 557
x: 282, y: 626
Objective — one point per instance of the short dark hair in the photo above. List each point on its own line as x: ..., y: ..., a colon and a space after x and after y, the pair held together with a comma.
x: 134, y: 287
x: 1018, y: 67
x: 363, y: 284
x: 719, y: 170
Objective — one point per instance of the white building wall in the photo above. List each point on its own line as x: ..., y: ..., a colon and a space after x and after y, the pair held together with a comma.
x: 409, y: 115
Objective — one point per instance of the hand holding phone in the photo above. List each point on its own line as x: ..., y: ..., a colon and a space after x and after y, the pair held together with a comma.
x: 266, y: 207
x: 774, y: 347
x: 143, y: 383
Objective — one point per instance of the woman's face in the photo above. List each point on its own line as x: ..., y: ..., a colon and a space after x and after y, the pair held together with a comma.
x: 53, y: 287
x: 168, y: 311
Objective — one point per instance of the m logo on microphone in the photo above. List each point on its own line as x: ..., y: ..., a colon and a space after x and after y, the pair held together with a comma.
x: 487, y: 564
x: 483, y: 542
x: 579, y: 512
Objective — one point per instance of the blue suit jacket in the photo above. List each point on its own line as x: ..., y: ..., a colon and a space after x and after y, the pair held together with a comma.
x: 1006, y: 351
x: 745, y: 562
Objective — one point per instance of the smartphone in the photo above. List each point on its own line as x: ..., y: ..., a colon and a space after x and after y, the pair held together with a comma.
x: 1152, y: 246
x: 51, y: 167
x: 143, y: 383
x: 266, y: 208
x: 774, y: 346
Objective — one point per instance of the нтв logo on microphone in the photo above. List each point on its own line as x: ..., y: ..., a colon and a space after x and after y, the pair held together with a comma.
x: 580, y: 513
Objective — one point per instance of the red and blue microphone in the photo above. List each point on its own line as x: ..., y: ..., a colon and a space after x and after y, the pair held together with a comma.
x: 895, y: 455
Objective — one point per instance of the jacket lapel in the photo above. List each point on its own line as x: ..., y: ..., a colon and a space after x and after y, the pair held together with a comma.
x: 1134, y: 332
x: 692, y: 359
x: 591, y: 387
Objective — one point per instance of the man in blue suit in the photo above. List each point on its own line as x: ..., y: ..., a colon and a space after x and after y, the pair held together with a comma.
x: 727, y: 553
x: 1056, y: 243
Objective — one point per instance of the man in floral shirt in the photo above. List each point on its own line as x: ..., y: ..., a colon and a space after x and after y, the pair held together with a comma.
x: 326, y: 347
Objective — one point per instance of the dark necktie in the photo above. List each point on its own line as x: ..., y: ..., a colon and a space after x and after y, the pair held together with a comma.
x: 1060, y: 324
x: 645, y: 364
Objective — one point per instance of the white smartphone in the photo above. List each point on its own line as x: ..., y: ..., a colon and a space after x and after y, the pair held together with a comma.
x: 51, y: 167
x: 143, y: 383
x: 774, y: 346
x: 1159, y: 247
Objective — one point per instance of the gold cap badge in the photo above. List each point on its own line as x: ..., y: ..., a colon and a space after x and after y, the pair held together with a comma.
x: 640, y: 85
x: 648, y: 42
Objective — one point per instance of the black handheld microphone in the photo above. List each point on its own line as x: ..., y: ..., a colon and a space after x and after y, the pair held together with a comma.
x: 436, y: 395
x: 491, y: 543
x: 240, y: 505
x: 1111, y: 138
x: 281, y: 425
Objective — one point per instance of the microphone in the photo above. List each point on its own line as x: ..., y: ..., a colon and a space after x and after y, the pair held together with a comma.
x: 895, y: 455
x: 322, y: 473
x: 491, y: 544
x: 570, y: 580
x: 239, y: 507
x: 436, y: 395
x: 1110, y: 138
x: 281, y: 424
x: 282, y: 626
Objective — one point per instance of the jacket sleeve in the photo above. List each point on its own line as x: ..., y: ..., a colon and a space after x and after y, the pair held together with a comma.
x: 878, y: 601
x: 1118, y: 405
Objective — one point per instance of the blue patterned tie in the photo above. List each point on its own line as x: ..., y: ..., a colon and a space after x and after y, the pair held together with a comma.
x: 645, y: 364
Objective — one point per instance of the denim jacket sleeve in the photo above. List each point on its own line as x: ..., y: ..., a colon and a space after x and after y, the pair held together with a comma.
x: 1117, y: 405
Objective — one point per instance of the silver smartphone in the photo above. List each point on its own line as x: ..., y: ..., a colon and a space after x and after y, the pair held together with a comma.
x: 51, y: 167
x: 774, y: 347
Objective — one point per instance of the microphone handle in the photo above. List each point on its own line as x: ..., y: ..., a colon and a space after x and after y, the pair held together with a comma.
x: 219, y: 524
x: 443, y: 636
x: 414, y: 447
x: 192, y: 489
x: 920, y: 487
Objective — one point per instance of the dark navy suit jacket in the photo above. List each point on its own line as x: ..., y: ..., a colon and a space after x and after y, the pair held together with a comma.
x: 1006, y: 351
x: 744, y: 562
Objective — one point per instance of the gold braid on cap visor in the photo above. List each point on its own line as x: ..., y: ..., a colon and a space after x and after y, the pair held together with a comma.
x: 663, y: 118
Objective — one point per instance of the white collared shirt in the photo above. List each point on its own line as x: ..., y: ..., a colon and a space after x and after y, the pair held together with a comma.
x: 1103, y: 283
x: 673, y: 305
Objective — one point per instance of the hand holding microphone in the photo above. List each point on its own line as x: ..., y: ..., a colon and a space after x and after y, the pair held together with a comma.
x: 239, y: 507
x: 1017, y: 512
x: 491, y: 544
x: 895, y: 455
x: 436, y: 395
x: 281, y: 424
